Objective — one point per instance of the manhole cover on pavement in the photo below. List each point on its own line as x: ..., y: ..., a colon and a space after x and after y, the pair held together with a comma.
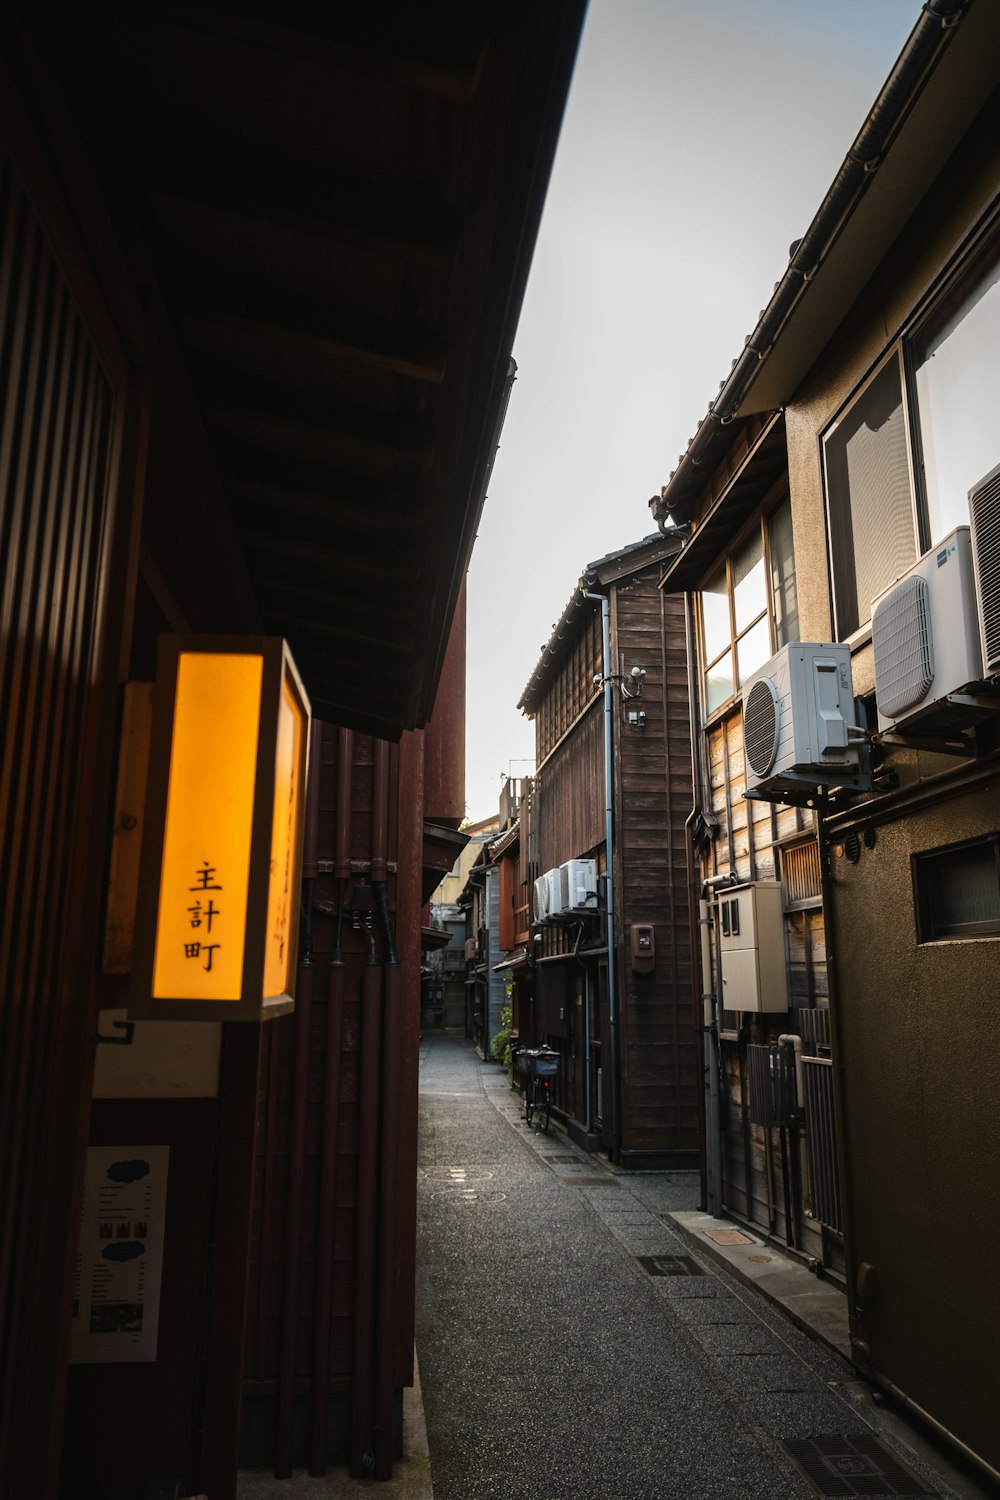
x: 853, y: 1466
x: 728, y: 1237
x: 671, y: 1265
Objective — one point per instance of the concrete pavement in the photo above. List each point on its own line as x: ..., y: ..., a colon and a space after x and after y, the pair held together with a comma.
x: 579, y: 1342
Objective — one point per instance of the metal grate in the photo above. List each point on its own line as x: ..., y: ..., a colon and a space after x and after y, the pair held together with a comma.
x: 904, y: 651
x: 821, y: 1140
x: 984, y: 510
x: 853, y: 1466
x: 671, y: 1265
x: 800, y: 872
x: 760, y: 726
x: 771, y: 1073
x: 814, y: 1026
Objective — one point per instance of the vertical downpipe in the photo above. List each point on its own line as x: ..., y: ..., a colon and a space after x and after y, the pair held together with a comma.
x: 613, y: 1084
x: 319, y: 1448
x: 285, y: 1433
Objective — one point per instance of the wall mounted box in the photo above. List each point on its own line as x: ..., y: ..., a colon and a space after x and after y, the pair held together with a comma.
x: 751, y: 928
x: 926, y: 642
x: 216, y: 934
x: 798, y: 710
x: 577, y: 886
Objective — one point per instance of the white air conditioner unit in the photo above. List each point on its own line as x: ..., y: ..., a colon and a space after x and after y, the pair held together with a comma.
x: 984, y: 510
x: 925, y: 636
x: 545, y: 896
x: 578, y: 886
x: 797, y: 713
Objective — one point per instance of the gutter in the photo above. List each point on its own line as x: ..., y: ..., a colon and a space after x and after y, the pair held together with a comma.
x: 929, y: 38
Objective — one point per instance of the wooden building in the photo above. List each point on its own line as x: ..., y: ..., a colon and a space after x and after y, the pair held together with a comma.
x: 852, y: 448
x: 611, y: 984
x: 260, y: 272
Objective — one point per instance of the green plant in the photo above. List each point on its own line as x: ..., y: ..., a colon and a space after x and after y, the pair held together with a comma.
x: 501, y: 1042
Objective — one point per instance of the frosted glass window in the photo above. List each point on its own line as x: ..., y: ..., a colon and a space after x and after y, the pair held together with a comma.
x: 784, y: 598
x: 749, y: 582
x: 753, y: 649
x: 869, y: 499
x: 719, y: 683
x: 715, y: 615
x: 957, y: 362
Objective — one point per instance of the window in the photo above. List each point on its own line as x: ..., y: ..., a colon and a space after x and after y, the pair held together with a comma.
x: 869, y: 497
x: 746, y: 603
x: 900, y: 461
x: 957, y: 366
x: 958, y: 891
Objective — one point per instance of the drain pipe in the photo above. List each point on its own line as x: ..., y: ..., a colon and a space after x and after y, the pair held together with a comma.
x: 319, y: 1455
x: 609, y: 846
x: 710, y: 1031
x: 787, y: 1039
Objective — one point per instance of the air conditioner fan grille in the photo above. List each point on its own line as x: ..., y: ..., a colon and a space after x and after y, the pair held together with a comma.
x: 984, y: 509
x: 760, y: 726
x: 904, y: 651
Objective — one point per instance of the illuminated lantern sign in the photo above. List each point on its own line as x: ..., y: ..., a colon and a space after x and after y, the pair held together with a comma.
x: 217, y: 920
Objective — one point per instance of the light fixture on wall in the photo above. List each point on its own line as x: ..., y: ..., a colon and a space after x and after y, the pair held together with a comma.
x: 217, y: 914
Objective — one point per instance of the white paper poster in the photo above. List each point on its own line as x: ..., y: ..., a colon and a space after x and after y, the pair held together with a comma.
x: 116, y: 1294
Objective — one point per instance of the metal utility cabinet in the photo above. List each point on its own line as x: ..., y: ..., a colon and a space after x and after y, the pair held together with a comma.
x: 751, y: 932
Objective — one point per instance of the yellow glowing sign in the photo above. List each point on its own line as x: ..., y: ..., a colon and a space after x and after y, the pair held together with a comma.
x: 222, y: 845
x: 205, y: 875
x: 282, y: 887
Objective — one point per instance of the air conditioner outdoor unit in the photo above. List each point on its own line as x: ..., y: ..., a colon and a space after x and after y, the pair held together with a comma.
x: 546, y: 896
x: 578, y: 886
x: 984, y: 510
x: 797, y: 712
x: 925, y: 636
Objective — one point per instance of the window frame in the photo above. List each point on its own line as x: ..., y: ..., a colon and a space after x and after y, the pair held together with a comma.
x: 922, y: 866
x: 895, y: 351
x: 780, y: 495
x: 964, y: 265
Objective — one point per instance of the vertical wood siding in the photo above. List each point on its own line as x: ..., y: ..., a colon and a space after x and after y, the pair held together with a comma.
x: 57, y: 414
x: 659, y: 1044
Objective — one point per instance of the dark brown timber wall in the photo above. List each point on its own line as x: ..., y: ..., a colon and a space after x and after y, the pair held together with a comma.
x: 659, y: 1047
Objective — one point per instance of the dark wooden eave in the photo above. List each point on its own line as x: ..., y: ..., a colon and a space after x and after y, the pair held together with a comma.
x: 337, y: 207
x: 750, y: 466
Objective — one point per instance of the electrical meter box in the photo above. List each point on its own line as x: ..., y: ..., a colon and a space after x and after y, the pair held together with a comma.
x: 751, y: 929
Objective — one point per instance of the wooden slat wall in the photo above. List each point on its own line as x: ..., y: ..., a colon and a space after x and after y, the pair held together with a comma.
x: 569, y: 797
x: 59, y: 432
x: 661, y: 1093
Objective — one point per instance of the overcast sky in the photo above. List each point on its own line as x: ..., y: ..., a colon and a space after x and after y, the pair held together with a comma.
x: 698, y: 141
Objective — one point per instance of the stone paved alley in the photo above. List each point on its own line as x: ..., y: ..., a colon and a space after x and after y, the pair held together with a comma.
x: 555, y: 1367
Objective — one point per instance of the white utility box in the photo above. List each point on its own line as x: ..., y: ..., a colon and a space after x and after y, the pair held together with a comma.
x: 751, y: 928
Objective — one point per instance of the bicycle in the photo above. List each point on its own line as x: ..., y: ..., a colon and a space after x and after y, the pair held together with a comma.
x: 541, y: 1066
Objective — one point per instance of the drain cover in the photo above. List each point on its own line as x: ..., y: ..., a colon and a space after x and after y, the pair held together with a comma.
x: 853, y: 1466
x: 671, y: 1265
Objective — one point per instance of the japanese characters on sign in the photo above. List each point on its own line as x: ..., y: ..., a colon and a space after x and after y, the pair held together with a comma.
x: 227, y: 789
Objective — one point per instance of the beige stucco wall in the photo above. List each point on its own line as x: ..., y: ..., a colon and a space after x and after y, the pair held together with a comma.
x: 928, y: 245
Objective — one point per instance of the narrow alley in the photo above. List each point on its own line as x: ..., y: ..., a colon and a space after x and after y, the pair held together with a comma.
x: 572, y: 1347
